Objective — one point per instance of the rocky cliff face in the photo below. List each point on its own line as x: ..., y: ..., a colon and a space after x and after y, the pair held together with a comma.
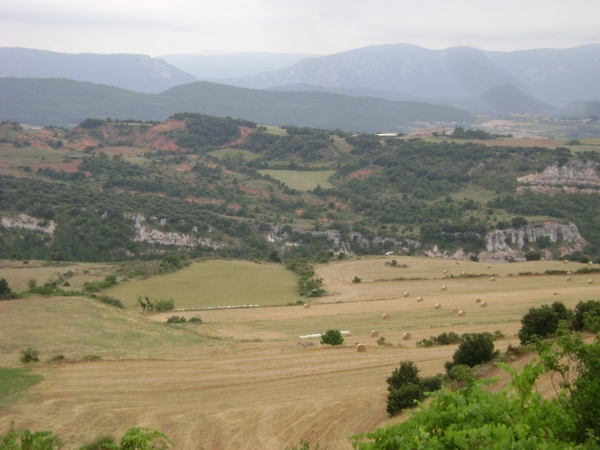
x: 26, y: 222
x: 512, y: 242
x: 575, y: 177
x: 145, y: 233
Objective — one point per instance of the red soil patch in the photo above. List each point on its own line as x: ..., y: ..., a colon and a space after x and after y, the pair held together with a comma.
x: 183, y: 168
x: 210, y: 201
x: 255, y: 191
x: 234, y: 206
x: 81, y: 144
x: 69, y: 167
x: 5, y: 165
x: 157, y: 137
x: 299, y: 212
x: 360, y: 173
x: 244, y: 133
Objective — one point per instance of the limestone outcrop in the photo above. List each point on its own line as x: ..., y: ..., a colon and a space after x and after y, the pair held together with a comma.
x: 574, y: 177
x: 26, y: 222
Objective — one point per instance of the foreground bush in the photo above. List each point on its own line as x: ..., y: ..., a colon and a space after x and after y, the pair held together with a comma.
x: 517, y: 417
x: 475, y: 349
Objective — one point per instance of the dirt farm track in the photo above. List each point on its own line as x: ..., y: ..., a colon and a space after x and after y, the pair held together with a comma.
x: 243, y: 379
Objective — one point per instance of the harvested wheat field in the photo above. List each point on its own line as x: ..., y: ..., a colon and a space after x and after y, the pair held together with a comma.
x: 243, y: 378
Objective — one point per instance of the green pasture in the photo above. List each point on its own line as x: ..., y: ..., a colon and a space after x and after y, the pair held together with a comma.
x: 29, y: 155
x: 275, y: 130
x: 14, y: 382
x: 302, y: 180
x: 215, y: 283
x: 234, y: 152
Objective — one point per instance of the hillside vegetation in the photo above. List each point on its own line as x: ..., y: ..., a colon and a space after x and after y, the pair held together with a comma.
x: 113, y: 190
x: 61, y: 102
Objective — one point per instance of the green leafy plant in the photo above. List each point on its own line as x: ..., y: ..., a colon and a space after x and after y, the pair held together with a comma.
x: 332, y: 337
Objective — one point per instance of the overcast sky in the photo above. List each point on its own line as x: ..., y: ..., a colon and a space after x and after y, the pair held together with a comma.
x: 162, y: 27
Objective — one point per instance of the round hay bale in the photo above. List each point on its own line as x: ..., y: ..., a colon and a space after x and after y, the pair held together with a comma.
x: 307, y: 305
x: 374, y: 333
x: 569, y: 273
x: 590, y: 263
x: 406, y: 294
x: 454, y: 310
x: 493, y: 279
x: 568, y: 278
x: 464, y: 273
x: 458, y: 262
x: 361, y: 348
x: 385, y: 316
x: 566, y: 262
x: 438, y: 306
x: 406, y: 337
x: 444, y: 288
x: 590, y: 281
x: 483, y: 304
x: 478, y: 300
x: 489, y: 267
x: 419, y: 299
x: 445, y: 272
x: 461, y: 313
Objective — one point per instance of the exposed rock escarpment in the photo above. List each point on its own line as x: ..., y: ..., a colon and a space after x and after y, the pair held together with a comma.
x: 26, y: 222
x: 574, y: 177
x: 145, y: 233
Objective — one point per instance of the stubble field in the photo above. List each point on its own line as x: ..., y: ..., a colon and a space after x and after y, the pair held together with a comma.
x: 243, y: 378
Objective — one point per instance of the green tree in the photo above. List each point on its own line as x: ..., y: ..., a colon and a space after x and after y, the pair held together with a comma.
x: 475, y: 349
x: 4, y: 289
x: 332, y: 337
x: 540, y: 322
x: 404, y: 386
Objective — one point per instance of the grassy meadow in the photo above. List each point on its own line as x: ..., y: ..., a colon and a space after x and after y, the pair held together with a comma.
x: 243, y: 378
x: 215, y: 283
x: 233, y: 152
x: 301, y: 179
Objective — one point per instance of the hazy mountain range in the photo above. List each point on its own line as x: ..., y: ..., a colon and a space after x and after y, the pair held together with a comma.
x: 554, y: 76
x: 139, y: 73
x: 544, y: 81
x: 235, y: 65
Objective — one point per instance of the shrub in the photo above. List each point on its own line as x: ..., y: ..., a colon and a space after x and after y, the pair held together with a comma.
x: 542, y: 321
x: 356, y: 280
x: 195, y: 320
x: 406, y: 387
x: 29, y: 355
x: 432, y: 384
x: 4, y: 289
x: 475, y: 349
x: 591, y: 308
x: 102, y: 442
x: 332, y: 337
x: 533, y: 255
x: 404, y: 397
x: 164, y: 305
x: 110, y: 301
x: 176, y: 319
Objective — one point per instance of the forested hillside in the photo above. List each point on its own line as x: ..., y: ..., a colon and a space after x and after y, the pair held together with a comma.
x: 61, y: 102
x: 113, y: 190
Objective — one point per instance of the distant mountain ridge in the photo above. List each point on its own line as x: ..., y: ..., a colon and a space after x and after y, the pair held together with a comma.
x: 139, y: 73
x: 218, y: 68
x: 63, y: 102
x: 554, y: 76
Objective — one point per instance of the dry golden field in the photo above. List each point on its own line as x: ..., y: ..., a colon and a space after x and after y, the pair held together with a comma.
x: 243, y: 378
